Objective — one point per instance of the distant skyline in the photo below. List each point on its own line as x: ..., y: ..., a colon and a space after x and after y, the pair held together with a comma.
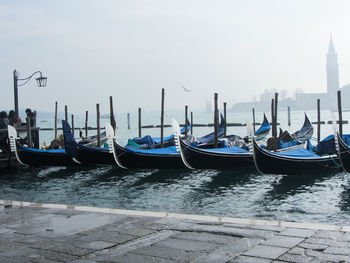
x: 90, y: 50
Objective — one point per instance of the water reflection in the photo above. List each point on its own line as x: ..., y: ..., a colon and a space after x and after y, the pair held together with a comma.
x: 237, y: 193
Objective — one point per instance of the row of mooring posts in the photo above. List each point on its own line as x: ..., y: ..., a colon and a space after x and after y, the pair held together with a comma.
x: 274, y: 107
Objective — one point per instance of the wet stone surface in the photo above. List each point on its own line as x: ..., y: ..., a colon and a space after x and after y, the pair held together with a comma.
x: 34, y: 234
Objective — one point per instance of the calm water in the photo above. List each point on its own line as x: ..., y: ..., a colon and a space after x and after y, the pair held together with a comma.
x: 245, y: 194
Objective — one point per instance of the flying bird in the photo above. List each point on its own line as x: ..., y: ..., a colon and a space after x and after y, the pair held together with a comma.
x: 187, y: 90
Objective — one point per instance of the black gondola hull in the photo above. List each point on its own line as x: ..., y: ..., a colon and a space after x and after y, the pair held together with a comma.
x: 147, y: 161
x: 202, y: 159
x: 45, y: 159
x: 94, y: 155
x: 344, y: 154
x: 269, y: 163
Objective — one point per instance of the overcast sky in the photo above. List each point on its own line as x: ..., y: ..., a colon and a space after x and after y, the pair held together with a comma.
x: 132, y: 49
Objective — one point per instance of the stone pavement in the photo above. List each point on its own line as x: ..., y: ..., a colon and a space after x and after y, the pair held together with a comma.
x: 59, y: 233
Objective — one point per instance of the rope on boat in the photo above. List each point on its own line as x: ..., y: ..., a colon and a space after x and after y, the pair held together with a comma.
x: 337, y: 164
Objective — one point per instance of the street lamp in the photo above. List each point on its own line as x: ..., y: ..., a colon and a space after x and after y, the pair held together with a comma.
x: 41, y: 81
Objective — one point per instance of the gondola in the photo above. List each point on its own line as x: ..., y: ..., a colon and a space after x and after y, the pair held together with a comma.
x: 296, y: 161
x: 88, y: 155
x: 36, y: 157
x: 155, y: 142
x: 157, y: 158
x: 211, y: 158
x: 263, y: 130
x: 344, y: 151
x: 306, y: 132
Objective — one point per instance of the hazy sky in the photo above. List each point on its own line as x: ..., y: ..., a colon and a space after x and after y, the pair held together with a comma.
x: 132, y: 49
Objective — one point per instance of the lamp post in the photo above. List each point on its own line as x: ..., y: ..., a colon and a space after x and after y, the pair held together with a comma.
x: 41, y: 82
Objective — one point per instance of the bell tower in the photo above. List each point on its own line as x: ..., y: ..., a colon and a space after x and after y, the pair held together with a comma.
x: 332, y: 72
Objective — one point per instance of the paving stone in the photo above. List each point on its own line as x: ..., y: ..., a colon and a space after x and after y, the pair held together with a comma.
x: 135, y: 231
x: 345, y: 237
x: 228, y: 251
x: 220, y: 230
x: 98, y: 245
x: 83, y: 261
x: 328, y: 234
x: 52, y: 255
x: 178, y: 255
x: 263, y: 251
x: 321, y: 241
x: 312, y: 253
x: 337, y: 250
x: 295, y: 258
x: 269, y: 228
x: 206, y: 237
x: 68, y: 248
x: 246, y: 259
x: 297, y: 251
x: 187, y: 245
x: 135, y: 258
x: 317, y: 246
x: 283, y: 241
x: 332, y: 258
x: 298, y: 232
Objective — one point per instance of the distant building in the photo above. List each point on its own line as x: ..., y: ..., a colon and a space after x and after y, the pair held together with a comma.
x: 307, y: 101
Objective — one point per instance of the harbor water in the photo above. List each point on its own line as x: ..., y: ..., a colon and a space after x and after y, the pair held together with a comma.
x: 233, y: 193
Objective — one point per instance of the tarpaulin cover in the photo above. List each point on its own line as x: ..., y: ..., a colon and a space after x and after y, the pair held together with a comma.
x: 155, y: 151
x: 305, y: 132
x: 170, y: 137
x: 300, y: 153
x: 43, y: 151
x: 210, y: 137
x: 233, y: 149
x: 283, y: 145
x: 265, y: 126
x: 69, y: 142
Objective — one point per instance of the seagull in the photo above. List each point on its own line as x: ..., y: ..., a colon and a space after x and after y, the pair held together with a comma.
x: 187, y: 90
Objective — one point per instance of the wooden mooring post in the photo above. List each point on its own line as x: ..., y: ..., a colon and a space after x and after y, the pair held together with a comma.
x: 162, y: 121
x: 128, y: 117
x: 273, y: 117
x: 29, y: 133
x: 98, y: 125
x: 340, y: 114
x: 139, y: 122
x: 191, y: 123
x: 288, y: 116
x: 56, y: 104
x: 73, y: 125
x: 225, y: 127
x: 186, y: 113
x: 86, y: 123
x: 215, y: 120
x: 318, y: 121
x: 66, y: 113
x: 253, y: 119
x: 111, y: 113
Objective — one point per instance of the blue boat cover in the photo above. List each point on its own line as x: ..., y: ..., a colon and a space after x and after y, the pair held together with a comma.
x: 170, y: 137
x: 327, y: 145
x: 299, y: 153
x: 210, y: 137
x: 155, y: 151
x: 305, y: 132
x: 265, y: 126
x: 233, y: 149
x: 283, y: 145
x: 144, y: 140
x: 69, y: 142
x: 43, y: 151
